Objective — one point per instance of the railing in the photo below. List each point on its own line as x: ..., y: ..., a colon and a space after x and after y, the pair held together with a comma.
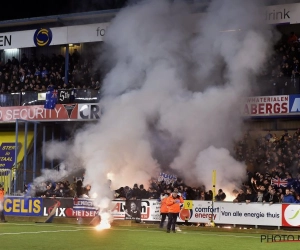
x: 38, y: 98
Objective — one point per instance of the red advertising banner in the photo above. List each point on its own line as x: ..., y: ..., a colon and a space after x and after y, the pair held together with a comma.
x: 39, y: 113
x: 290, y: 215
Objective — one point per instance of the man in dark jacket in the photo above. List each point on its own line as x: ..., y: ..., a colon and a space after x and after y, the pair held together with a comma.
x: 250, y: 197
x: 271, y: 197
x: 221, y: 196
x: 241, y: 197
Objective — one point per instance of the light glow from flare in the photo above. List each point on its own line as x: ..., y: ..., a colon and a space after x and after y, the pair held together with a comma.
x: 104, y: 222
x: 230, y: 197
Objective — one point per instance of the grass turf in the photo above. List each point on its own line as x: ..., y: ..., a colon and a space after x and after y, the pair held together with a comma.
x: 61, y: 236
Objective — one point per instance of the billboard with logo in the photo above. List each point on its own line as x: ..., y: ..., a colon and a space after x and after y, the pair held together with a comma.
x: 271, y: 106
x: 42, y: 37
x: 22, y: 206
x: 290, y: 215
x: 39, y: 113
x: 285, y: 215
x: 256, y: 106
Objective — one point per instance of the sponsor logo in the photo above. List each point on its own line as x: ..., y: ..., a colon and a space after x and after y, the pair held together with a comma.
x: 265, y: 105
x: 186, y: 214
x: 89, y: 111
x: 22, y: 206
x: 294, y: 103
x: 42, y: 37
x: 60, y: 211
x: 290, y: 215
x: 69, y: 108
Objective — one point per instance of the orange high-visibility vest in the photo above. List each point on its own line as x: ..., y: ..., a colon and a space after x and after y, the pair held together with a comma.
x: 174, y: 207
x: 163, y: 206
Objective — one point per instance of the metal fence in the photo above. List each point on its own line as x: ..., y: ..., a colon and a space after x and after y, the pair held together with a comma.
x: 38, y: 98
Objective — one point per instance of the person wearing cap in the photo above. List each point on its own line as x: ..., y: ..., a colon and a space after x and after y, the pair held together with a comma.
x: 173, y: 203
x: 163, y: 210
x: 221, y: 196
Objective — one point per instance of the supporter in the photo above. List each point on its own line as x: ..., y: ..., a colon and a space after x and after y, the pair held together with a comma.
x: 143, y: 192
x: 297, y: 199
x: 288, y: 197
x: 250, y: 197
x: 292, y: 38
x: 135, y: 194
x: 241, y: 197
x: 220, y: 196
x: 202, y: 196
x: 271, y: 197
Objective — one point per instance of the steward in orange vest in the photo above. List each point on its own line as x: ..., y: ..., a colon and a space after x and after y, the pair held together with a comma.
x: 173, y: 203
x: 2, y: 193
x: 163, y: 210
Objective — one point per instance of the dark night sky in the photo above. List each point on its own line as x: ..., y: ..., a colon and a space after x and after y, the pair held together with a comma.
x: 32, y: 8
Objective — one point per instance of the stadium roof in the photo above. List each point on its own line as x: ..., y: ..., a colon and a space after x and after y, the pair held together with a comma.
x: 90, y: 17
x: 57, y: 20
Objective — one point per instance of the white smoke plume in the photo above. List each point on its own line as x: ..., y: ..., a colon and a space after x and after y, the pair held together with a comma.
x: 171, y: 98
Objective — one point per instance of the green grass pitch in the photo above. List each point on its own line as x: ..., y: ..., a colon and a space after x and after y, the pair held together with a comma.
x: 33, y: 236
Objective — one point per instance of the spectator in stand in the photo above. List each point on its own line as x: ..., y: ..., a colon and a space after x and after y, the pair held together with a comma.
x: 221, y: 196
x: 135, y: 194
x: 271, y: 197
x: 241, y: 197
x: 292, y: 38
x: 297, y: 199
x: 143, y: 192
x: 250, y: 197
x: 288, y: 197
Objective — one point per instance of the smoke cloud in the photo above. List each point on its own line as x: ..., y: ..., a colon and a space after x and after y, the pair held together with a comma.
x: 171, y: 97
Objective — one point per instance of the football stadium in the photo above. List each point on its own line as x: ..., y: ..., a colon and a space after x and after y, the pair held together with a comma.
x: 150, y: 124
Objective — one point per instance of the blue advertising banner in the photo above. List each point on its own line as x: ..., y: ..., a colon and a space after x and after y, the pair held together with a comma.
x: 23, y: 206
x: 7, y: 154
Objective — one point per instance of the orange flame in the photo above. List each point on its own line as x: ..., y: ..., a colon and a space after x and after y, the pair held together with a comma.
x: 104, y: 223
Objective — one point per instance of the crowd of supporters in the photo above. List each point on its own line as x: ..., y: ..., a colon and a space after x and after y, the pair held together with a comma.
x: 273, y: 160
x: 272, y: 176
x: 281, y: 73
x: 36, y: 74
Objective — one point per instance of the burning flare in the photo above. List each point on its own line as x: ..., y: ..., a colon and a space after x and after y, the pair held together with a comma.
x: 104, y: 221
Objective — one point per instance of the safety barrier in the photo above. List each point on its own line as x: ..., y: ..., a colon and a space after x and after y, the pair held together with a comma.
x: 256, y: 214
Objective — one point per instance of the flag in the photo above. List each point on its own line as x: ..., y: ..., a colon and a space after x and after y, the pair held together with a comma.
x: 279, y: 182
x: 73, y: 95
x: 51, y: 98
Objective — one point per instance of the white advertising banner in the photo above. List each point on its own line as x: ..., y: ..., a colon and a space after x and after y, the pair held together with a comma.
x: 265, y: 106
x: 248, y: 214
x: 283, y: 14
x: 202, y: 212
x: 150, y: 210
x: 53, y: 36
x: 87, y: 33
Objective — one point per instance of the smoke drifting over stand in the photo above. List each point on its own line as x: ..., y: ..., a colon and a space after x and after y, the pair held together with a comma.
x: 171, y: 97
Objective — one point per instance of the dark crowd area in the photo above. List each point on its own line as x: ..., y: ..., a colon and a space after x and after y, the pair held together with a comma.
x: 37, y: 74
x: 272, y: 176
x: 272, y: 159
x: 281, y: 73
